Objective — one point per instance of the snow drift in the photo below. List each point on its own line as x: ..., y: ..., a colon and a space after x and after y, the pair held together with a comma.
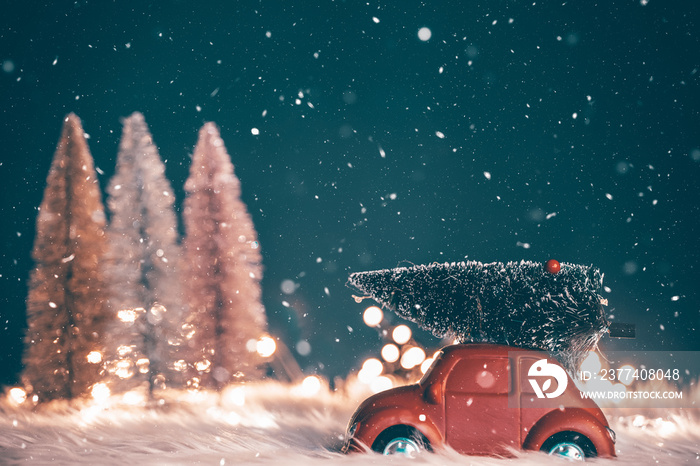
x: 271, y: 423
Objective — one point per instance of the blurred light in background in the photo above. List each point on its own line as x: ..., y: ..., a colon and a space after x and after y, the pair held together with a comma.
x: 371, y: 369
x: 381, y: 383
x: 426, y: 365
x: 373, y: 316
x: 413, y: 357
x: 234, y: 395
x: 401, y: 334
x: 266, y: 347
x: 94, y: 357
x: 311, y: 385
x: 134, y: 398
x: 100, y: 392
x: 17, y: 395
x: 626, y: 375
x: 390, y: 352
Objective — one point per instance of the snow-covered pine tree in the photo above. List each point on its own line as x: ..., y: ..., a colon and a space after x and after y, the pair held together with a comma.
x: 65, y: 305
x: 142, y: 268
x: 518, y: 303
x: 223, y: 266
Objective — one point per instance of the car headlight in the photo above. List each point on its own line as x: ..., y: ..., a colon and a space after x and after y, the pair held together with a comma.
x: 612, y: 434
x: 352, y: 429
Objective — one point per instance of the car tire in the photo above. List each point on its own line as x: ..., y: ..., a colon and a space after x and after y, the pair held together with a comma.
x: 570, y: 445
x: 401, y: 440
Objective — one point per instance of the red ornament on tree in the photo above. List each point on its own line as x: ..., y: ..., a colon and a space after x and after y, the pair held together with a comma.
x: 552, y: 266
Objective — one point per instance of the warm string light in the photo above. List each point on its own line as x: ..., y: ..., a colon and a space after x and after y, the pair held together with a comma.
x: 94, y: 357
x: 401, y: 334
x: 17, y: 396
x: 266, y: 346
x: 390, y: 353
x: 412, y: 357
x: 100, y: 392
x: 373, y: 316
x: 401, y: 356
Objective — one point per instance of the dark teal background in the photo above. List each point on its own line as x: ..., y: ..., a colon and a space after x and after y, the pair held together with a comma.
x: 622, y: 177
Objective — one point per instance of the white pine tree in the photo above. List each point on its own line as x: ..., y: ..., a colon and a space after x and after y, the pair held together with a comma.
x: 142, y: 268
x: 223, y: 264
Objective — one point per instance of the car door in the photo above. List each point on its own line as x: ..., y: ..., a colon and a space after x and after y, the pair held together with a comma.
x: 478, y: 419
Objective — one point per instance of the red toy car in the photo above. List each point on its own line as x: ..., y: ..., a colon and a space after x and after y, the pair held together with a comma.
x: 484, y: 399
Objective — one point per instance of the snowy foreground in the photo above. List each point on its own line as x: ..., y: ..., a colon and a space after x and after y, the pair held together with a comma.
x: 275, y: 424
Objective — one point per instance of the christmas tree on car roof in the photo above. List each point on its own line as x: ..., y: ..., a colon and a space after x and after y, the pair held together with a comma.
x: 552, y: 307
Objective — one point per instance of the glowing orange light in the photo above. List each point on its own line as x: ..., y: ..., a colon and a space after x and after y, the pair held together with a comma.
x: 373, y: 316
x: 143, y: 364
x: 371, y: 369
x: 401, y: 334
x: 426, y: 365
x: 390, y: 353
x: 125, y: 369
x: 311, y: 385
x: 266, y: 347
x: 94, y: 357
x: 17, y: 395
x: 100, y: 392
x: 203, y: 365
x: 127, y: 316
x: 134, y: 398
x: 381, y: 383
x: 412, y: 358
x: 234, y: 395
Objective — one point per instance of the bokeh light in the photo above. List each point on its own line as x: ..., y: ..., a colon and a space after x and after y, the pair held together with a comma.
x: 626, y: 375
x: 203, y: 365
x: 401, y: 334
x: 390, y: 352
x: 100, y: 392
x: 94, y: 357
x: 373, y: 316
x: 424, y: 34
x: 17, y: 395
x: 381, y: 383
x: 266, y: 347
x: 127, y: 316
x: 124, y: 368
x: 311, y: 385
x: 413, y: 357
x: 143, y: 365
x: 234, y: 395
x: 134, y: 398
x: 426, y: 365
x: 371, y: 369
x: 303, y: 347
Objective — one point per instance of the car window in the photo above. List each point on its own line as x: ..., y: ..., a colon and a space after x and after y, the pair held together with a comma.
x: 480, y: 375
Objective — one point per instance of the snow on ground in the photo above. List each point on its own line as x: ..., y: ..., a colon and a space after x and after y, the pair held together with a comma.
x: 275, y: 424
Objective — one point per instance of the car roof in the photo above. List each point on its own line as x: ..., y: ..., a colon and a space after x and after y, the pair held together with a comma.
x: 487, y: 350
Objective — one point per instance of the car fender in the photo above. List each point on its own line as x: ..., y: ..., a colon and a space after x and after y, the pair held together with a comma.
x: 370, y: 428
x: 574, y: 420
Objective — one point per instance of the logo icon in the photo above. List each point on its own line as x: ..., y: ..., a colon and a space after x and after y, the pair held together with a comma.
x: 544, y: 369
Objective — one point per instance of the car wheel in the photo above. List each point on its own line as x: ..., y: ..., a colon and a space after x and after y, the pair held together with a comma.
x: 569, y: 445
x: 401, y: 440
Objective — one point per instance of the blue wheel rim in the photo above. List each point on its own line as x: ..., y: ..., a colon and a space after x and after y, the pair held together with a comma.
x: 402, y: 446
x: 568, y: 450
